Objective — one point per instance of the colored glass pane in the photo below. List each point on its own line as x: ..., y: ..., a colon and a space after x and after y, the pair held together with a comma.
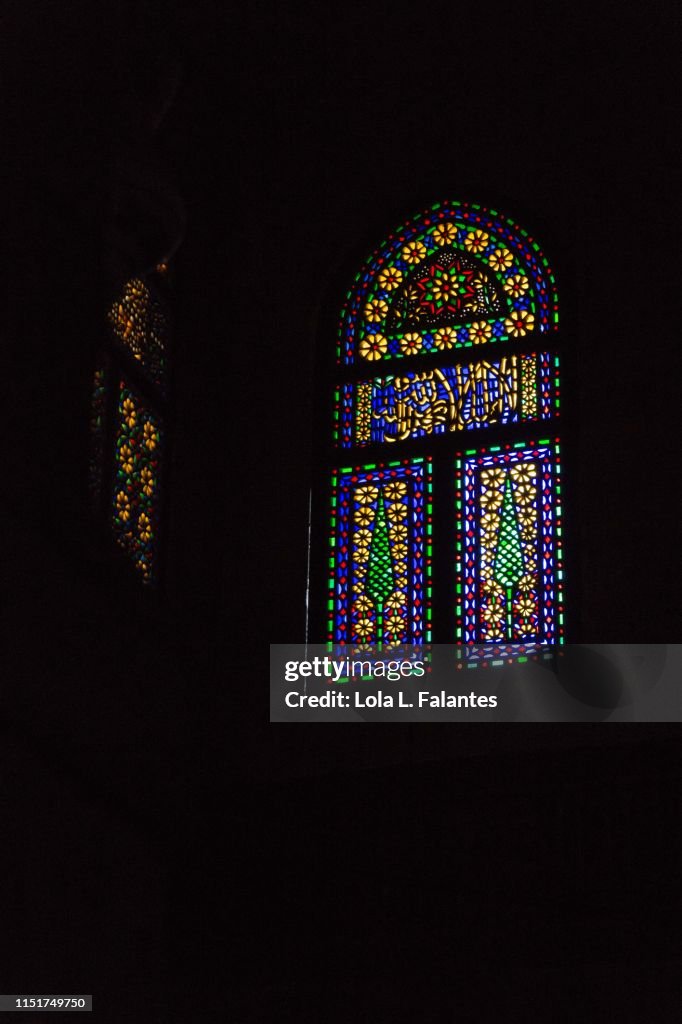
x: 138, y: 320
x: 380, y: 567
x: 509, y: 565
x: 135, y: 499
x: 467, y: 396
x: 454, y: 276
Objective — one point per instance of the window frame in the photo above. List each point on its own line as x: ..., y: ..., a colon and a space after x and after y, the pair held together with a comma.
x: 441, y: 450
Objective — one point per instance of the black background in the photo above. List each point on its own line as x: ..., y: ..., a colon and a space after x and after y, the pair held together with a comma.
x: 158, y: 830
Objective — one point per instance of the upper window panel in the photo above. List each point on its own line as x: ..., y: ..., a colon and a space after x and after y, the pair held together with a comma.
x: 139, y: 322
x: 456, y: 275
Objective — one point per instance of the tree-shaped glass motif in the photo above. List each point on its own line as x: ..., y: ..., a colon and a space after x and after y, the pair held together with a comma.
x: 508, y: 567
x: 380, y: 575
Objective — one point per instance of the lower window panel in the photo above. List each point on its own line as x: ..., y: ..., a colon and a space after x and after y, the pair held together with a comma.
x: 380, y: 562
x: 509, y: 571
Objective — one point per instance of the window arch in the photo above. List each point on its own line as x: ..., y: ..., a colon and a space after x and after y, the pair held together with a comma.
x: 444, y: 455
x: 129, y: 419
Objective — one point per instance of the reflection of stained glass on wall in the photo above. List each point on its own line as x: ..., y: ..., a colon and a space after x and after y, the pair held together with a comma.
x: 487, y: 392
x: 380, y: 565
x: 97, y: 434
x: 509, y: 550
x: 456, y: 275
x: 138, y: 320
x: 135, y: 499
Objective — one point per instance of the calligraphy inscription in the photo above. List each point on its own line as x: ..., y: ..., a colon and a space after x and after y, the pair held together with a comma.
x: 442, y: 400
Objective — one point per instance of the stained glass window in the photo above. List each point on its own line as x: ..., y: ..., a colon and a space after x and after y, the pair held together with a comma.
x: 456, y: 313
x: 129, y: 409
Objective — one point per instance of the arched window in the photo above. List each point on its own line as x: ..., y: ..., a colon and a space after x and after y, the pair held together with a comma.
x: 128, y: 421
x: 444, y: 461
